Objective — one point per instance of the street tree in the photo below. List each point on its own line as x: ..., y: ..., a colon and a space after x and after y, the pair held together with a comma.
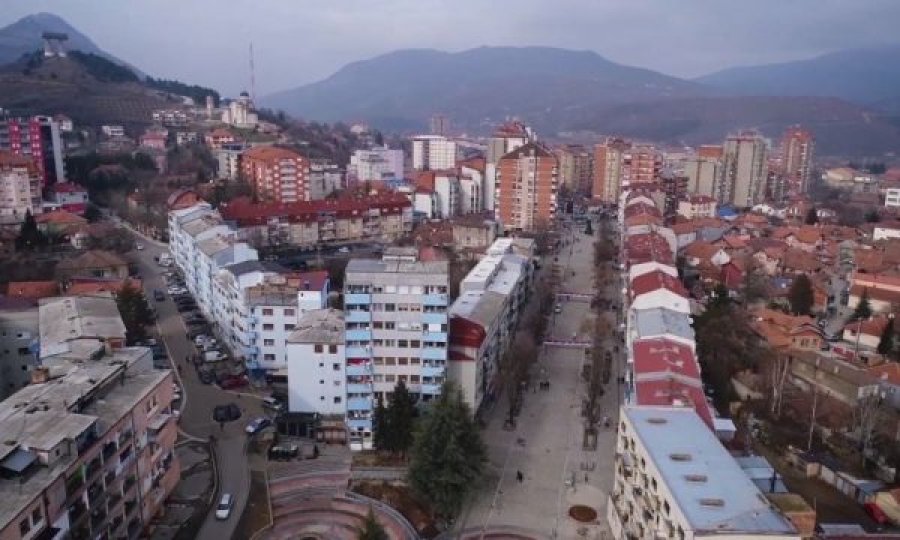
x: 886, y: 342
x: 29, y: 237
x: 371, y: 529
x: 381, y: 436
x: 135, y: 312
x: 812, y: 216
x: 448, y: 455
x: 868, y: 413
x: 800, y: 295
x: 864, y: 308
x: 514, y: 368
x: 756, y: 285
x: 591, y: 409
x: 400, y: 418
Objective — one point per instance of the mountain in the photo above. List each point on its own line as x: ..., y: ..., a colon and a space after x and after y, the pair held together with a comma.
x: 865, y: 76
x: 480, y: 86
x: 24, y: 36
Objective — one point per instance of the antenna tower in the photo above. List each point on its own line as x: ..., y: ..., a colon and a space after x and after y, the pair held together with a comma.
x: 252, y: 76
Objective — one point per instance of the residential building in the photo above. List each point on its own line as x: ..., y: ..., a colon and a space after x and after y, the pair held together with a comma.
x: 276, y: 174
x: 169, y: 117
x: 94, y: 263
x: 608, y: 170
x: 239, y: 113
x: 745, y: 171
x: 228, y: 159
x: 317, y: 380
x: 375, y: 164
x: 526, y: 188
x: 78, y: 323
x: 703, y: 175
x: 230, y: 310
x: 38, y: 138
x: 472, y: 186
x: 483, y: 320
x: 185, y: 137
x: 882, y: 291
x: 18, y: 343
x: 218, y: 137
x: 324, y: 179
x: 90, y: 446
x: 113, y: 131
x: 32, y: 290
x: 395, y: 312
x: 892, y: 198
x: 697, y: 206
x: 20, y: 188
x: 447, y: 193
x: 884, y: 231
x: 506, y: 138
x: 474, y: 231
x: 575, y: 167
x: 376, y: 217
x: 674, y: 479
x: 154, y: 138
x: 433, y: 153
x: 797, y: 151
x: 70, y: 197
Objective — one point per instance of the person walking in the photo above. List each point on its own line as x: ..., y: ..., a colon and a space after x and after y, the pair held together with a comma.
x: 519, y: 476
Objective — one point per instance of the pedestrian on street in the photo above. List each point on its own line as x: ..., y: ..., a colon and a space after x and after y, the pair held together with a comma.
x: 519, y: 476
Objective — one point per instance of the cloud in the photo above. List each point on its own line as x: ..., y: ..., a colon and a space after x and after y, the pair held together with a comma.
x: 299, y: 41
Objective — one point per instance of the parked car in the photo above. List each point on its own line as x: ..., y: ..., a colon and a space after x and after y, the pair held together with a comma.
x: 226, y: 503
x: 139, y: 247
x: 206, y: 377
x: 257, y: 424
x: 195, y: 331
x: 233, y: 383
x: 200, y: 339
x: 186, y: 307
x: 284, y: 451
x: 272, y: 404
x: 158, y: 295
x: 226, y: 413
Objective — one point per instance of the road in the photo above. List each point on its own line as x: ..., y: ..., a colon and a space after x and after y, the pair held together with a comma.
x: 199, y: 400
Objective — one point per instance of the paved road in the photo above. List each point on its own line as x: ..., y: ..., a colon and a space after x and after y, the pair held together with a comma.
x: 199, y: 401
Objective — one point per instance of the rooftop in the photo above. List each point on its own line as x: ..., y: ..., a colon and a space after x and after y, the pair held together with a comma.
x: 401, y: 268
x: 660, y: 322
x: 65, y: 319
x: 727, y: 501
x: 319, y: 326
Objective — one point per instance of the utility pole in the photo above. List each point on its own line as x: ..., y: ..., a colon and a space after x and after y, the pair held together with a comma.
x: 815, y: 403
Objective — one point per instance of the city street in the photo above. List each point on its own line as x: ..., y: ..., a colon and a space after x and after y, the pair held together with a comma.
x: 546, y: 446
x: 199, y: 400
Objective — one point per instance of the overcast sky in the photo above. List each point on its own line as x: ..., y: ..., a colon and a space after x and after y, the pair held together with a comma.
x: 300, y: 41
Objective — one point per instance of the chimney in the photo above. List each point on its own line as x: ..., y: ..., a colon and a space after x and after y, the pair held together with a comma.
x: 40, y: 375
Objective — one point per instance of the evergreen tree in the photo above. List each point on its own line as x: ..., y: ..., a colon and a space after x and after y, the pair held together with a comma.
x: 400, y: 419
x: 371, y: 529
x: 801, y: 295
x: 886, y: 343
x: 135, y: 312
x: 863, y: 308
x: 29, y: 236
x: 812, y: 216
x: 381, y: 437
x: 448, y: 455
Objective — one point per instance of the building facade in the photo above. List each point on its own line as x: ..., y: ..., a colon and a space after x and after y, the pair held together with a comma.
x: 433, y: 153
x: 797, y: 152
x: 276, y: 174
x: 316, y: 365
x: 395, y: 314
x: 38, y: 138
x: 527, y: 183
x: 744, y: 170
x: 18, y: 343
x: 609, y: 159
x: 20, y: 188
x: 375, y: 164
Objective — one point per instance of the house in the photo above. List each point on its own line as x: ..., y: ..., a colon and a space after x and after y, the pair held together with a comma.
x: 659, y: 290
x: 834, y: 377
x: 882, y: 290
x: 69, y: 197
x: 697, y: 206
x: 796, y: 261
x: 182, y: 198
x: 93, y: 264
x: 700, y: 252
x: 866, y: 333
x: 34, y: 290
x: 474, y: 231
x: 786, y: 332
x: 884, y: 231
x: 59, y: 222
x: 86, y: 287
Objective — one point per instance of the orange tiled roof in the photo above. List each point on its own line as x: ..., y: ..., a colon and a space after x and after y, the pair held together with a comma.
x: 32, y: 289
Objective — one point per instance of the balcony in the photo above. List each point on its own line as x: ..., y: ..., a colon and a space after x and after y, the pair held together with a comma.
x: 358, y: 352
x: 359, y: 404
x: 356, y: 424
x: 439, y: 337
x: 359, y: 388
x: 430, y: 389
x: 434, y: 353
x: 434, y: 299
x: 433, y: 371
x: 358, y: 335
x: 359, y: 370
x: 109, y: 450
x: 355, y: 299
x: 434, y: 318
x: 357, y: 315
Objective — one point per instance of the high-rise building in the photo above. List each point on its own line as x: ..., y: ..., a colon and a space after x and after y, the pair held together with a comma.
x: 440, y: 124
x: 506, y: 138
x: 609, y: 159
x: 395, y: 312
x: 316, y: 365
x: 276, y: 174
x: 375, y: 164
x: 797, y: 150
x: 433, y: 153
x: 38, y: 138
x: 575, y: 167
x: 745, y: 170
x: 703, y: 175
x: 526, y: 181
x: 20, y: 188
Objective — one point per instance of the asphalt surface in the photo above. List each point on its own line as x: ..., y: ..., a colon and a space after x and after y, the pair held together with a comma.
x: 199, y: 400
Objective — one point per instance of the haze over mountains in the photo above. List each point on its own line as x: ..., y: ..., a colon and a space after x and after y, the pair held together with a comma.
x: 851, y: 99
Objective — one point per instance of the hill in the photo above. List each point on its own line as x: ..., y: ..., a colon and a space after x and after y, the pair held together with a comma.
x: 864, y: 76
x: 24, y: 36
x: 400, y: 90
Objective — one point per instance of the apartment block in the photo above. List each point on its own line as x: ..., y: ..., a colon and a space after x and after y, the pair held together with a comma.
x: 527, y: 184
x: 703, y: 175
x: 276, y: 174
x: 484, y: 318
x: 37, y: 138
x: 375, y: 164
x: 324, y: 179
x: 316, y: 365
x: 395, y: 312
x: 744, y: 170
x: 575, y: 167
x: 20, y: 188
x: 19, y: 345
x: 798, y: 147
x: 89, y: 447
x: 379, y: 217
x: 433, y: 153
x: 609, y: 161
x: 228, y: 159
x: 674, y: 479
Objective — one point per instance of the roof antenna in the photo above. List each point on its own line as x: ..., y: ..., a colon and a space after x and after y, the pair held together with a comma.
x: 252, y: 76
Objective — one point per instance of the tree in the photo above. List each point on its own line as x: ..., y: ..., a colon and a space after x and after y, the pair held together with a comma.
x: 863, y: 308
x: 886, y: 343
x: 400, y: 416
x: 29, y: 236
x: 872, y: 216
x: 381, y: 427
x: 589, y: 229
x: 756, y: 283
x: 92, y: 213
x: 448, y: 456
x: 801, y: 295
x: 135, y: 312
x: 812, y: 216
x: 371, y: 529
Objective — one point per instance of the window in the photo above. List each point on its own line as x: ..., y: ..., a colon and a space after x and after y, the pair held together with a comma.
x: 402, y: 361
x: 269, y: 342
x: 336, y: 383
x: 36, y: 516
x: 269, y: 327
x: 332, y: 349
x: 268, y: 311
x: 389, y: 325
x: 378, y: 361
x: 288, y: 312
x: 413, y: 378
x: 414, y: 361
x: 337, y: 400
x: 289, y: 327
x: 402, y: 343
x: 321, y: 381
x: 390, y: 361
x: 269, y: 357
x: 24, y: 527
x: 390, y: 307
x: 415, y: 343
x: 318, y: 347
x: 377, y: 325
x: 336, y: 367
x: 390, y: 378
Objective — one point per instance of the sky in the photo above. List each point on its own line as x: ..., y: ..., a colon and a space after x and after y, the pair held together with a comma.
x: 301, y: 41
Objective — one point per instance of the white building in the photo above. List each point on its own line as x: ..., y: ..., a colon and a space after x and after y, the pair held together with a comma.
x: 378, y: 163
x: 484, y: 317
x: 433, y: 153
x: 323, y: 179
x: 239, y: 113
x: 884, y: 231
x: 892, y: 197
x: 185, y: 137
x: 447, y: 194
x: 316, y: 364
x: 228, y: 158
x: 471, y: 190
x: 20, y: 188
x: 674, y: 479
x: 112, y: 131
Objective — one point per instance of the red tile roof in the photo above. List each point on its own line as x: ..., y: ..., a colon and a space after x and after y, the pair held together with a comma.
x: 670, y: 392
x: 664, y: 356
x: 641, y: 248
x: 245, y: 212
x: 652, y: 281
x: 94, y: 286
x: 32, y: 289
x: 316, y: 279
x: 641, y: 208
x: 60, y: 217
x: 270, y: 153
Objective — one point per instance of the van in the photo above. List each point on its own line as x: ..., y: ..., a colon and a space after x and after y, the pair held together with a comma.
x: 272, y: 404
x: 214, y: 356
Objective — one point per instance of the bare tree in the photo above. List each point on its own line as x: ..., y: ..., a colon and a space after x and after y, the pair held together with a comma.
x: 514, y: 368
x: 778, y: 368
x: 591, y: 405
x: 867, y: 414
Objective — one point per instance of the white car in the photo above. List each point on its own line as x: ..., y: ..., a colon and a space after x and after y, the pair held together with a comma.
x: 139, y: 247
x: 344, y: 249
x: 226, y: 503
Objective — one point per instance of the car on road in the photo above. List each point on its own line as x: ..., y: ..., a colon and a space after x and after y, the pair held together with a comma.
x: 272, y: 404
x: 206, y: 377
x: 158, y: 295
x: 226, y: 503
x: 226, y: 413
x: 257, y: 424
x: 344, y: 249
x: 200, y: 339
x: 139, y: 247
x: 233, y: 382
x: 186, y: 306
x: 557, y: 309
x: 284, y: 452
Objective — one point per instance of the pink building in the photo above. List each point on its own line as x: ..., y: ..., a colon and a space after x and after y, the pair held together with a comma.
x: 70, y: 197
